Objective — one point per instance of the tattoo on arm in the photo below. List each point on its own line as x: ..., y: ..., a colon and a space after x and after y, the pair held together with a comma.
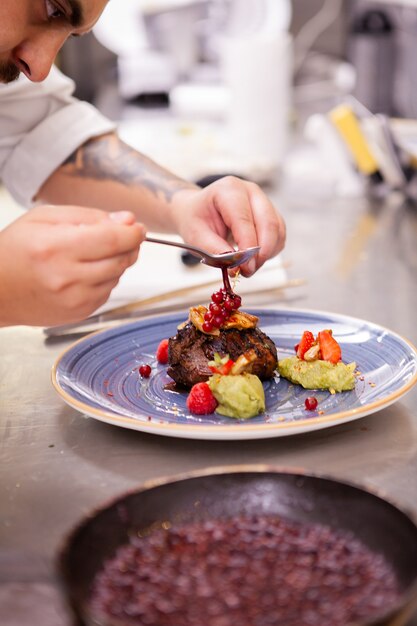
x: 109, y: 158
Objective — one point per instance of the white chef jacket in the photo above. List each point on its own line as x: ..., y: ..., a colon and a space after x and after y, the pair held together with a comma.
x: 41, y: 124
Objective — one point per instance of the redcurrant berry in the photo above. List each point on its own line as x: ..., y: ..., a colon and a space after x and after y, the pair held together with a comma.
x: 217, y: 321
x: 237, y: 300
x: 311, y: 403
x: 229, y: 304
x: 145, y: 370
x: 217, y: 297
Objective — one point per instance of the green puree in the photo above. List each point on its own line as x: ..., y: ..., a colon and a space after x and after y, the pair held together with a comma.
x: 318, y: 374
x: 240, y: 396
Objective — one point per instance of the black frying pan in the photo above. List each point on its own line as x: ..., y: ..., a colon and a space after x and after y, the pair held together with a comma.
x: 229, y: 491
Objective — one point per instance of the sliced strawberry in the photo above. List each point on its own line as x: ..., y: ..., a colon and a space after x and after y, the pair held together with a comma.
x: 222, y: 369
x: 200, y: 400
x: 162, y: 352
x: 329, y: 348
x: 307, y: 340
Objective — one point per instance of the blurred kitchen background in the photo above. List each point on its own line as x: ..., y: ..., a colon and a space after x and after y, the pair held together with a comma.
x: 318, y: 92
x: 294, y: 94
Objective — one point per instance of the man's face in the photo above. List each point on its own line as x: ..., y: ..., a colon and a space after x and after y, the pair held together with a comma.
x: 33, y: 31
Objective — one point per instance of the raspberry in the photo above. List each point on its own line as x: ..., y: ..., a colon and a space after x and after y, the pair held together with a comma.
x: 162, y: 352
x: 200, y: 400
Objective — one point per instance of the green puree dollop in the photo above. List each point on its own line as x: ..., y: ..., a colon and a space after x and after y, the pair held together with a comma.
x: 318, y: 374
x: 240, y: 396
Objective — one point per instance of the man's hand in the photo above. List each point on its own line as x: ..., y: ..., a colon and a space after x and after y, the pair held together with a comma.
x: 228, y: 211
x: 105, y: 172
x: 58, y: 264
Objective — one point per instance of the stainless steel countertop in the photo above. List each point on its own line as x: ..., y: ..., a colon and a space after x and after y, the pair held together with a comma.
x: 359, y: 258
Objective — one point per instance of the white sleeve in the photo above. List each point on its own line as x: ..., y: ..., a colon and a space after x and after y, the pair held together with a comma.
x: 41, y: 124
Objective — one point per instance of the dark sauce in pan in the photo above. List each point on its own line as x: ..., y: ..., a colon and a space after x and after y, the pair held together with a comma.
x: 244, y: 571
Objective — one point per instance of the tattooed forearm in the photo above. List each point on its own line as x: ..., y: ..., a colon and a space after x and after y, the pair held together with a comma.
x: 109, y: 158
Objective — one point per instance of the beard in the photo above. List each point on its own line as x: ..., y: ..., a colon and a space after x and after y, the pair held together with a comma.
x: 8, y: 72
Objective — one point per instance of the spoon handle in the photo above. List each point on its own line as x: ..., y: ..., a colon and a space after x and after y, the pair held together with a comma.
x: 176, y: 244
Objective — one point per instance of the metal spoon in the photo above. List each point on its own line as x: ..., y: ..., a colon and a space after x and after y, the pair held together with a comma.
x: 233, y: 258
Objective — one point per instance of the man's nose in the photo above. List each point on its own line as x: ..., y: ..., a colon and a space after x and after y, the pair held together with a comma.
x: 38, y: 53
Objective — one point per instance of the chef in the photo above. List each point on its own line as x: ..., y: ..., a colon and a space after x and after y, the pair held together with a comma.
x: 92, y: 196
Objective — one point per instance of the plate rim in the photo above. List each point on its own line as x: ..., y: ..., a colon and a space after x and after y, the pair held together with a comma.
x: 213, y: 429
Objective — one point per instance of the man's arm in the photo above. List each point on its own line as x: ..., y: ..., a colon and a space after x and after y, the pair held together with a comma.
x: 67, y: 259
x: 106, y: 173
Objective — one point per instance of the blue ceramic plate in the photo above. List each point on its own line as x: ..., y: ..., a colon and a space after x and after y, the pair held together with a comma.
x: 99, y: 376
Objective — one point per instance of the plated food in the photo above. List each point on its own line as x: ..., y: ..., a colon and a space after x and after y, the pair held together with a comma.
x: 191, y: 349
x: 221, y: 355
x: 100, y: 377
x: 318, y: 364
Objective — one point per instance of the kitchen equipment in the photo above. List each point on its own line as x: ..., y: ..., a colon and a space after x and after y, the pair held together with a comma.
x: 334, y: 160
x: 379, y: 135
x: 376, y: 149
x: 256, y: 61
x: 347, y: 124
x: 156, y: 43
x: 226, y: 492
x: 229, y: 259
x: 372, y: 51
x: 257, y: 71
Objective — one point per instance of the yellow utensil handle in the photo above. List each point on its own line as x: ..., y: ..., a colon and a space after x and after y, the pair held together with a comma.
x: 347, y: 124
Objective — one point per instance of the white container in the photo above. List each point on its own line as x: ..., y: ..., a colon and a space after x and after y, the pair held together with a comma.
x: 257, y: 70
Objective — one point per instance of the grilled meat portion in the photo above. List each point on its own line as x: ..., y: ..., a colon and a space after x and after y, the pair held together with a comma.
x: 190, y: 350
